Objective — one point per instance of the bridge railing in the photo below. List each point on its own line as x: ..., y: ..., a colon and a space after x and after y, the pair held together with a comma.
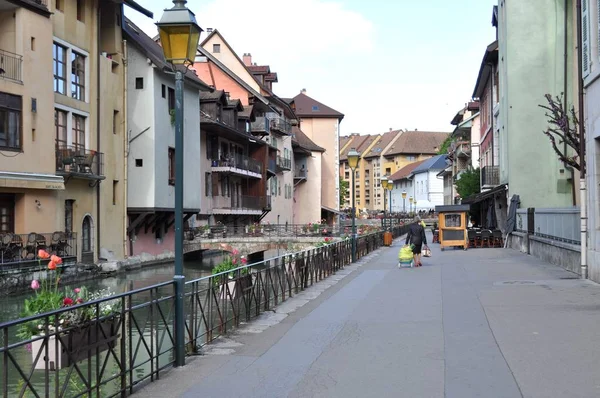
x: 113, y: 344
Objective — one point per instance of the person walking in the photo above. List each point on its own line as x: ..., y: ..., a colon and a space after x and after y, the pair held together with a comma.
x: 416, y: 237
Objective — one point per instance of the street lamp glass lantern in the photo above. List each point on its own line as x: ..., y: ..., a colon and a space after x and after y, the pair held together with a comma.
x: 353, y: 157
x: 403, y: 194
x: 384, y: 182
x: 179, y: 34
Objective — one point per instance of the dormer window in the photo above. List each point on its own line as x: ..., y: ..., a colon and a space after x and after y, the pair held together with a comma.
x: 315, y: 108
x: 216, y: 48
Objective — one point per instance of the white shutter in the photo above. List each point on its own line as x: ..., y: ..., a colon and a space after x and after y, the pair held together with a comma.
x: 585, y: 38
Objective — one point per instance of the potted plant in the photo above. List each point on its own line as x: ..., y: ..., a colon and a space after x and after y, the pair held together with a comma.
x: 81, y: 332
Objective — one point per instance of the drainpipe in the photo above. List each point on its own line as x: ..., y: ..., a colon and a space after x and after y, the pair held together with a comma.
x: 98, y: 126
x: 492, y: 113
x: 125, y: 147
x: 582, y: 181
x: 565, y: 90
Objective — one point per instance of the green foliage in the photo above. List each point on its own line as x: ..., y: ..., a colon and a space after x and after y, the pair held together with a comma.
x: 229, y: 263
x: 344, y: 187
x: 468, y: 183
x: 445, y: 145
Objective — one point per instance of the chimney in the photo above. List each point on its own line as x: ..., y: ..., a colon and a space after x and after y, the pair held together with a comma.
x: 303, y: 91
x: 209, y: 30
x: 247, y: 59
x: 391, y: 129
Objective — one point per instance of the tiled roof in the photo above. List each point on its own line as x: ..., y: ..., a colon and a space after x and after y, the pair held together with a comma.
x: 246, y: 113
x: 155, y: 53
x: 434, y: 163
x: 356, y: 144
x: 344, y: 140
x: 406, y: 171
x: 308, y: 107
x: 214, y: 96
x: 305, y: 142
x: 417, y: 142
x: 259, y: 68
x: 385, y: 140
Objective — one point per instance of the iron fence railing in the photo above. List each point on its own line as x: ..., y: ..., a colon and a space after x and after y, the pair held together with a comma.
x: 19, y: 249
x: 11, y: 65
x: 76, y: 159
x: 281, y: 125
x: 260, y: 125
x: 240, y: 202
x: 284, y: 163
x: 490, y: 176
x: 241, y: 162
x: 108, y: 347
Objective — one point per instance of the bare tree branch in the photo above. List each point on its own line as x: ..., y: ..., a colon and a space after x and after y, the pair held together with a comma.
x: 564, y: 126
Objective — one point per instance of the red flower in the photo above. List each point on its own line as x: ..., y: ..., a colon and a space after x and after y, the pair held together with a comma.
x: 79, y: 300
x: 67, y: 301
x: 51, y: 265
x: 43, y: 254
x: 56, y: 259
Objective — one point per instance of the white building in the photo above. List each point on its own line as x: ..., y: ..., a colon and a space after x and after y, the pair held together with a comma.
x: 151, y: 149
x: 402, y: 180
x: 427, y: 187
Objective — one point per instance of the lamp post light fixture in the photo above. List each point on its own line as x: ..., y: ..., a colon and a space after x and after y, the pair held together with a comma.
x: 179, y: 36
x: 404, y: 202
x: 353, y: 158
x: 410, y: 199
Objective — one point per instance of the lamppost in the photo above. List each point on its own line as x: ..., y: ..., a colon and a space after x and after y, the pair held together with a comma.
x: 179, y: 36
x: 383, y: 182
x: 390, y: 186
x: 410, y: 199
x: 353, y: 157
x: 404, y: 202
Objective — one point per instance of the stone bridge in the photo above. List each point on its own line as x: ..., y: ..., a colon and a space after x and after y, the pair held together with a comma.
x: 250, y: 245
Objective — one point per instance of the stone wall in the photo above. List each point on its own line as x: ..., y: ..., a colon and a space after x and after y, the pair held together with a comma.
x: 565, y: 255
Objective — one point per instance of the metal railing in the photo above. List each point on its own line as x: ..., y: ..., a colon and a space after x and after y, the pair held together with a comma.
x: 73, y: 159
x: 241, y: 162
x: 130, y: 338
x: 284, y: 163
x: 260, y: 125
x: 490, y: 176
x: 299, y: 173
x: 522, y: 221
x: 22, y: 249
x: 11, y: 66
x: 562, y: 224
x: 240, y: 202
x: 281, y: 125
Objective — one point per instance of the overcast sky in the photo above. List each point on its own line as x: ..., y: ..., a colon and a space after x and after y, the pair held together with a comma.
x: 383, y: 63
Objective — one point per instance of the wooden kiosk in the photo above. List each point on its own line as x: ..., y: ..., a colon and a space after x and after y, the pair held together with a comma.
x: 453, y: 221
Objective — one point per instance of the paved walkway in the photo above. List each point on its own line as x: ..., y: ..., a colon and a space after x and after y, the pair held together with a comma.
x: 482, y: 323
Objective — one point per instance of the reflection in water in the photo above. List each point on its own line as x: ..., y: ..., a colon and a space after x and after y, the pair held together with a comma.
x: 151, y: 328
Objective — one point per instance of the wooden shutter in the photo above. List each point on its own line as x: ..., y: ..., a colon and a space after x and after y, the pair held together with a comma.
x: 215, y: 184
x: 585, y: 37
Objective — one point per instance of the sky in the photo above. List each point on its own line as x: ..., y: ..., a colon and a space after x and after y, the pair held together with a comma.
x: 400, y: 64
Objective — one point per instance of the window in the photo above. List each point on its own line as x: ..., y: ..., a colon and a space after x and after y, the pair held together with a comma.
x: 411, y: 158
x: 139, y: 163
x: 216, y: 48
x: 115, y: 121
x: 171, y: 166
x: 59, y: 67
x: 10, y: 121
x: 60, y: 123
x: 163, y: 91
x: 78, y: 133
x: 69, y: 215
x: 139, y: 83
x: 171, y: 100
x: 32, y: 43
x: 315, y: 108
x: 7, y: 212
x: 115, y: 183
x: 80, y: 10
x: 58, y: 5
x: 77, y: 76
x: 207, y: 184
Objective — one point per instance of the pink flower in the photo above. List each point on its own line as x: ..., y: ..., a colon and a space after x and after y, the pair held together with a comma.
x: 67, y: 301
x: 77, y: 290
x: 234, y: 261
x: 235, y: 252
x: 79, y: 300
x: 35, y: 285
x: 244, y: 261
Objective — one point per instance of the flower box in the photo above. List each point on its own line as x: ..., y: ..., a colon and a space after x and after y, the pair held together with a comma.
x: 76, y: 344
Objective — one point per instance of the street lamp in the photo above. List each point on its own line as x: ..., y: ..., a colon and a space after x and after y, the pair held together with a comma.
x: 353, y: 158
x: 179, y: 35
x: 404, y: 202
x: 383, y: 182
x: 410, y: 199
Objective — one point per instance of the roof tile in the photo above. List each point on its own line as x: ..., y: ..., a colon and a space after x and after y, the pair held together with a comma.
x: 418, y: 142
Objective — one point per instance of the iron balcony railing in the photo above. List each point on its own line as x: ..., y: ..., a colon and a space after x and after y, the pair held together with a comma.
x: 284, y: 163
x: 112, y: 346
x: 20, y: 250
x: 300, y: 173
x: 241, y: 162
x: 11, y: 66
x: 490, y: 176
x: 240, y: 202
x: 281, y: 125
x: 74, y: 159
x: 260, y: 125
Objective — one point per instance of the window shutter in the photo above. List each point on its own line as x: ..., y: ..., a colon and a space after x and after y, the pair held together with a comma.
x: 585, y: 38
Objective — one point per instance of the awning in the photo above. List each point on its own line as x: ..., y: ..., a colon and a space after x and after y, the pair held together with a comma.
x: 485, y: 195
x: 31, y: 181
x: 329, y: 209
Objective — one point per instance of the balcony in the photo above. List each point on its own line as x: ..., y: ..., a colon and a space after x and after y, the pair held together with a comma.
x: 272, y: 166
x: 75, y: 162
x: 462, y: 149
x: 284, y: 163
x: 260, y: 126
x: 300, y: 175
x: 237, y: 164
x: 280, y: 125
x: 490, y: 176
x: 11, y: 66
x: 241, y: 204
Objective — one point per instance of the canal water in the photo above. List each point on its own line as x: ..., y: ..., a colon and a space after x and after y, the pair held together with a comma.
x: 12, y: 306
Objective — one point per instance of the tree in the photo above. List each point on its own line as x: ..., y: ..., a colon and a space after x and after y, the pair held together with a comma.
x: 445, y: 145
x: 468, y: 183
x: 564, y: 126
x: 344, y: 186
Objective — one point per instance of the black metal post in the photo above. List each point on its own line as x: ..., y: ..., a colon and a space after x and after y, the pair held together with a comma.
x: 179, y: 278
x: 391, y: 209
x: 404, y: 205
x: 353, y: 216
